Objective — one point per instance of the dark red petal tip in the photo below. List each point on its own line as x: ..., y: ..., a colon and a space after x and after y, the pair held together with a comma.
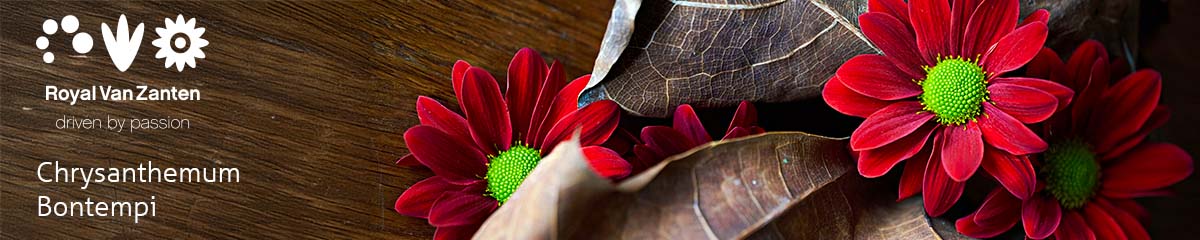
x: 526, y: 72
x: 487, y: 113
x: 849, y: 102
x: 888, y: 125
x: 1015, y: 49
x: 458, y: 163
x: 607, y: 162
x: 686, y: 121
x: 461, y: 208
x: 875, y: 76
x: 1040, y: 216
x: 1006, y: 133
x: 963, y: 151
x: 595, y: 123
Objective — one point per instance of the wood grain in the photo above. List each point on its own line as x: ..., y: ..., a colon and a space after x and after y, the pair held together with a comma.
x: 307, y: 99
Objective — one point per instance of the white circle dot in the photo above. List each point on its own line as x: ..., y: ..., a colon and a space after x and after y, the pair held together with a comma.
x: 179, y: 42
x: 43, y: 43
x: 48, y: 57
x: 50, y: 26
x: 70, y: 24
x: 82, y: 42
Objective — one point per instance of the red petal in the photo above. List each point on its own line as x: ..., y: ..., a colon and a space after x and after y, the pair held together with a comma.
x: 960, y: 14
x: 756, y: 130
x: 1015, y: 49
x: 1006, y: 133
x: 595, y: 123
x: 456, y: 78
x: 888, y: 125
x: 1079, y: 66
x: 1089, y: 98
x: 1157, y: 119
x: 555, y: 81
x: 897, y: 8
x: 1044, y: 64
x: 745, y: 116
x: 968, y: 227
x: 1015, y: 173
x: 988, y: 26
x: 914, y: 172
x: 1146, y: 168
x: 432, y: 113
x: 666, y: 141
x: 1074, y: 227
x: 458, y: 163
x: 606, y: 162
x: 1125, y: 108
x: 940, y: 191
x: 1040, y: 215
x: 849, y: 102
x: 566, y: 102
x: 686, y: 121
x: 737, y: 132
x: 419, y: 198
x: 875, y: 76
x: 931, y: 20
x: 1041, y: 15
x: 456, y: 232
x: 487, y: 114
x: 999, y: 208
x: 1102, y: 223
x: 1129, y: 224
x: 1060, y: 92
x: 962, y: 151
x: 526, y: 72
x: 621, y: 141
x: 646, y: 157
x: 892, y: 37
x: 877, y: 162
x: 408, y: 160
x: 460, y: 208
x: 1026, y: 104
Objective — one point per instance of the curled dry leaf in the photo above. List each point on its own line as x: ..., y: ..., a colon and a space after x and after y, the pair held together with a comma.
x: 714, y: 53
x: 777, y: 185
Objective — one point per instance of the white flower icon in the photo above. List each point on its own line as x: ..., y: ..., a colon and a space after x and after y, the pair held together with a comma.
x: 180, y: 43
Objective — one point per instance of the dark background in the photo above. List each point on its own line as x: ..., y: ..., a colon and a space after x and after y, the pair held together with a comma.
x: 1169, y: 45
x: 310, y: 101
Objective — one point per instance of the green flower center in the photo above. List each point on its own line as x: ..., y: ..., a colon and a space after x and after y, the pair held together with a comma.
x: 507, y: 170
x: 954, y: 90
x: 1071, y: 172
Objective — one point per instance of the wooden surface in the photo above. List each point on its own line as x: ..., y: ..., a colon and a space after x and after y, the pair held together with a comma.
x: 309, y: 100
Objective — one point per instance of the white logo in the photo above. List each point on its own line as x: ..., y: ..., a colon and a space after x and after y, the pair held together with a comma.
x: 122, y: 47
x: 82, y: 42
x: 179, y: 43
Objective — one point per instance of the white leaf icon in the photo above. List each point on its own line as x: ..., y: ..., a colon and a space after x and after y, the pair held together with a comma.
x: 122, y: 48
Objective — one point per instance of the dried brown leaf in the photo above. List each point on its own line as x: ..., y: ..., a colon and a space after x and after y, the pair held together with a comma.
x: 714, y: 53
x: 775, y: 185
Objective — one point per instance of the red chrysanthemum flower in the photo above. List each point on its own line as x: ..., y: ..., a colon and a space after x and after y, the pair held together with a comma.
x: 480, y: 160
x: 939, y: 78
x: 686, y: 132
x: 1098, y: 159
